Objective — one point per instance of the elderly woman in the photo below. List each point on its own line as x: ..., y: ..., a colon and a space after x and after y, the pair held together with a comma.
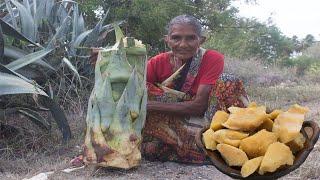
x: 184, y: 85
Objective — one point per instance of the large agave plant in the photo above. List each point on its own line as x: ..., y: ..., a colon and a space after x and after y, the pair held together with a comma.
x: 117, y: 105
x: 58, y: 26
x: 12, y: 83
x: 38, y: 37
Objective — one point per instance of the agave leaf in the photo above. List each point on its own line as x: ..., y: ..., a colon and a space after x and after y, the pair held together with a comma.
x: 134, y: 92
x: 60, y: 34
x: 30, y: 58
x: 8, y: 18
x: 104, y: 98
x: 1, y: 44
x: 9, y: 8
x: 34, y: 6
x: 50, y: 90
x: 16, y: 53
x: 32, y: 115
x: 2, y: 5
x: 118, y: 32
x: 57, y: 12
x: 11, y: 31
x: 139, y: 123
x: 75, y: 22
x: 84, y: 35
x: 33, y: 13
x: 27, y: 22
x: 40, y: 13
x: 106, y: 104
x: 72, y: 68
x: 36, y: 118
x: 80, y: 38
x: 68, y: 1
x: 59, y: 116
x: 27, y: 5
x: 94, y: 35
x: 62, y: 14
x: 3, y: 69
x: 129, y: 103
x: 81, y: 24
x: 49, y: 6
x: 10, y: 83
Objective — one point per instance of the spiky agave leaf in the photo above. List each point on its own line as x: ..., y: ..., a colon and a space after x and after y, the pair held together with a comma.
x: 49, y: 6
x: 34, y: 116
x: 8, y: 18
x: 26, y: 60
x: 117, y: 68
x: 81, y: 25
x: 12, y: 83
x: 103, y: 91
x: 75, y: 22
x: 90, y: 155
x: 16, y: 53
x: 11, y: 31
x: 84, y: 35
x: 11, y: 13
x: 72, y: 68
x: 27, y: 22
x: 60, y: 34
x: 1, y: 44
x: 93, y: 36
x: 26, y: 4
x: 139, y: 123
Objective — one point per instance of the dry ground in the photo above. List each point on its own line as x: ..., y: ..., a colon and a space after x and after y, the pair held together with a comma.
x: 270, y: 86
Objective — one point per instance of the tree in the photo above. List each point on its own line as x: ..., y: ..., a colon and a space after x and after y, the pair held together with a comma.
x: 308, y: 41
x: 235, y: 36
x: 146, y: 19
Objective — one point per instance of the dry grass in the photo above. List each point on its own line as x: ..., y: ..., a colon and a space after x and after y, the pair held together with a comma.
x: 34, y: 152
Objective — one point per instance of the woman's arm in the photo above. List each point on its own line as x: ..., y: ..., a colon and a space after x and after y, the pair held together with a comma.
x: 196, y: 107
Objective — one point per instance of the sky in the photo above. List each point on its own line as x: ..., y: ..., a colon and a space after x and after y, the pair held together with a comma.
x: 292, y: 17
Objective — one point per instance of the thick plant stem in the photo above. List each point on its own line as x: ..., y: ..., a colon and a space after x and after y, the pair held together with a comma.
x: 117, y: 106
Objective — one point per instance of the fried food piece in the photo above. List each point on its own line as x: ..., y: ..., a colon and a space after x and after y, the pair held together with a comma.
x: 246, y: 119
x: 208, y: 139
x: 232, y: 155
x: 251, y: 166
x: 278, y: 154
x: 288, y: 124
x: 274, y: 114
x: 267, y: 125
x: 257, y: 144
x: 230, y: 137
x: 217, y: 120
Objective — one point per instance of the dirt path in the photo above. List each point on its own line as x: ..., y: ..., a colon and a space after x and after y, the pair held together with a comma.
x: 148, y: 170
x: 169, y: 170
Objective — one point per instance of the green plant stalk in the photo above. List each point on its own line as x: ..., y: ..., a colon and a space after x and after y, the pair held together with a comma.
x: 117, y: 106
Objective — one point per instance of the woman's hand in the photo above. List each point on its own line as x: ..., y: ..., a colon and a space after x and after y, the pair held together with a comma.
x: 196, y: 107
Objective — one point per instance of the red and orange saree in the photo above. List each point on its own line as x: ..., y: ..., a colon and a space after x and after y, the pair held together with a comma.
x: 168, y: 137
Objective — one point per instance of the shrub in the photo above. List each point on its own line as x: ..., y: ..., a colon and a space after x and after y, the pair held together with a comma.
x: 303, y: 64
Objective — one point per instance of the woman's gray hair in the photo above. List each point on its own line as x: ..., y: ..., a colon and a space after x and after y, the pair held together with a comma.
x: 185, y: 19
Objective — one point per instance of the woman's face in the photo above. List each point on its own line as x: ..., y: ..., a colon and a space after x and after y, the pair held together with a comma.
x: 183, y: 41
